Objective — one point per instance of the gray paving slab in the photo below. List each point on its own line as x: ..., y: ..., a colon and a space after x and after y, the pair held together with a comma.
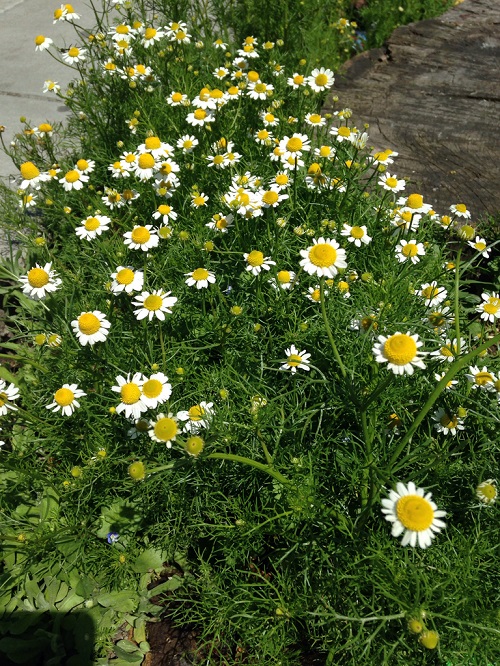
x: 24, y: 70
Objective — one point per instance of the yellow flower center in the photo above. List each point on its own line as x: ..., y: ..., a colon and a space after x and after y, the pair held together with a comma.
x: 263, y: 135
x: 391, y: 182
x: 284, y: 277
x: 488, y: 490
x: 146, y: 161
x: 194, y: 445
x: 37, y: 277
x: 270, y: 197
x: 316, y: 295
x: 64, y: 397
x: 72, y: 176
x: 140, y: 235
x: 137, y: 472
x: 400, y: 349
x: 480, y: 246
x: 461, y: 208
x: 153, y: 302
x: 322, y: 255
x: 39, y: 40
x: 29, y: 171
x: 3, y: 398
x: 180, y: 35
x: 294, y: 144
x: 82, y: 164
x: 152, y: 388
x: 122, y: 29
x: 415, y: 201
x: 199, y: 200
x: 196, y: 413
x: 315, y: 118
x: 152, y: 143
x: 130, y: 393
x: 325, y: 151
x: 298, y: 79
x: 314, y: 169
x: 430, y: 292
x: 165, y: 429
x: 88, y: 323
x: 216, y: 93
x: 92, y: 223
x: 125, y: 276
x: 294, y: 360
x: 200, y: 114
x: 482, y: 378
x: 409, y: 250
x: 321, y: 79
x: 357, y: 232
x: 176, y: 97
x: 255, y: 258
x: 243, y: 198
x: 260, y: 87
x: 415, y: 513
x: 490, y: 308
x: 448, y: 421
x: 281, y: 179
x: 200, y: 274
x: 164, y: 209
x: 73, y: 52
x: 218, y: 159
x: 344, y: 131
x: 58, y: 13
x: 45, y: 127
x: 221, y: 224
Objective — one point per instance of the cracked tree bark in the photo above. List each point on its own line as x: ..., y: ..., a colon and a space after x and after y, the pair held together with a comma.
x: 433, y: 95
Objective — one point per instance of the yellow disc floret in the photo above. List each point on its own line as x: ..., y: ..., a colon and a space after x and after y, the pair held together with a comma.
x: 400, y: 349
x: 414, y: 512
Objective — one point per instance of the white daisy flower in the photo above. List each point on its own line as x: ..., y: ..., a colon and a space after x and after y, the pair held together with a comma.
x: 118, y: 170
x: 315, y: 120
x: 439, y: 319
x: 7, y: 395
x: 269, y: 119
x: 141, y: 238
x: 91, y: 327
x: 284, y: 280
x: 400, y: 351
x: 314, y: 294
x: 413, y: 514
x: 409, y: 250
x: 220, y: 222
x: 199, y: 118
x: 460, y: 210
x: 481, y: 378
x: 187, y: 143
x: 343, y: 133
x: 197, y: 417
x: 150, y: 36
x: 450, y: 384
x: 391, y: 183
x: 145, y: 167
x: 131, y: 395
x: 200, y: 278
x: 256, y: 262
x: 296, y: 360
x: 480, y: 246
x: 325, y: 152
x: 73, y: 180
x: 65, y: 399
x: 490, y: 307
x: 415, y: 202
x: 38, y: 282
x: 42, y: 43
x: 356, y: 235
x: 65, y: 13
x: 93, y: 226
x: 264, y: 137
x: 164, y: 213
x: 281, y: 181
x: 164, y: 429
x: 405, y: 219
x: 126, y: 279
x: 259, y: 90
x: 384, y: 157
x: 320, y: 79
x: 432, y: 294
x: 156, y: 390
x: 446, y: 422
x: 51, y: 86
x: 323, y: 258
x: 272, y: 198
x: 85, y: 166
x: 449, y: 351
x: 156, y: 147
x: 296, y: 81
x: 155, y: 304
x: 31, y: 175
x: 487, y: 491
x: 74, y: 55
x: 219, y: 44
x: 294, y: 146
x: 198, y: 200
x: 176, y: 98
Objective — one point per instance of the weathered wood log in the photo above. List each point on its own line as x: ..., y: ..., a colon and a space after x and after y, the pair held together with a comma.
x: 433, y: 94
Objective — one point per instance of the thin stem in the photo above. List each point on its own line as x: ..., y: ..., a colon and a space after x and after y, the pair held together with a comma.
x: 457, y: 311
x: 162, y: 344
x: 329, y: 330
x: 253, y: 463
x: 367, y: 468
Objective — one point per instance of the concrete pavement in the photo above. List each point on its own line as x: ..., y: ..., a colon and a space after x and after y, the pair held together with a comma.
x: 24, y: 70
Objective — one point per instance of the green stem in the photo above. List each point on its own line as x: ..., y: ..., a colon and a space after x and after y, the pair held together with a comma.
x: 457, y: 311
x: 367, y: 484
x: 329, y: 330
x: 162, y: 344
x: 253, y: 463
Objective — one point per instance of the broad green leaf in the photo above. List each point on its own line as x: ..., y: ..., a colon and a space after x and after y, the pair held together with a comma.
x: 149, y: 559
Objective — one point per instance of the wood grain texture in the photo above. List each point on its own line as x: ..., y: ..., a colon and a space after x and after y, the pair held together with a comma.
x: 433, y: 94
